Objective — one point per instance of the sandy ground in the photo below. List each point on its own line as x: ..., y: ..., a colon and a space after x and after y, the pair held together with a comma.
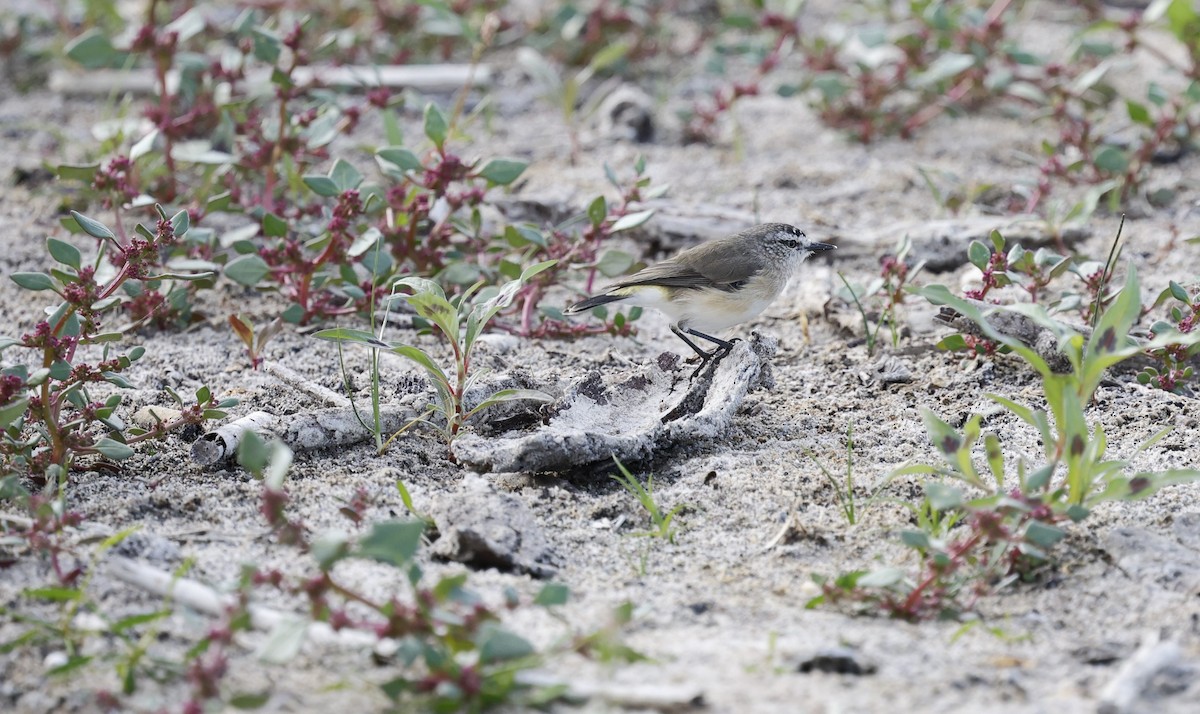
x: 722, y: 609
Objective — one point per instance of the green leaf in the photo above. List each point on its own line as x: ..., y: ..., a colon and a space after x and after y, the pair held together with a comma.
x: 631, y: 220
x: 915, y: 539
x: 249, y: 700
x: 1109, y: 343
x: 114, y: 450
x: 614, y: 263
x: 978, y: 254
x: 218, y: 203
x: 1043, y: 534
x: 54, y: 594
x: 277, y: 465
x: 424, y: 360
x: 1182, y: 19
x: 607, y: 57
x: 12, y: 411
x: 946, y: 66
x: 94, y: 50
x: 344, y: 176
x: 503, y: 171
x: 293, y: 314
x: 995, y: 458
x: 943, y: 497
x: 400, y: 157
x: 345, y: 334
x: 253, y: 453
x: 34, y: 281
x: 1143, y: 485
x: 1138, y: 113
x: 941, y: 295
x: 439, y: 311
x: 1179, y: 293
x: 247, y: 270
x: 435, y: 125
x: 284, y: 641
x: 321, y: 185
x: 180, y: 223
x: 94, y: 228
x: 267, y: 46
x: 497, y: 644
x: 552, y: 594
x: 512, y: 395
x: 1111, y: 159
x: 597, y: 210
x: 882, y: 578
x: 73, y: 663
x: 394, y: 542
x: 952, y: 343
x: 1038, y: 480
x: 536, y: 268
x: 461, y: 273
x: 273, y: 226
x: 64, y: 253
x: 328, y: 548
x: 132, y: 621
x: 392, y: 130
x: 395, y: 688
x: 76, y: 172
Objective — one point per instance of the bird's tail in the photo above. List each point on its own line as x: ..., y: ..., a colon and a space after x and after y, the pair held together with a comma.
x: 593, y: 301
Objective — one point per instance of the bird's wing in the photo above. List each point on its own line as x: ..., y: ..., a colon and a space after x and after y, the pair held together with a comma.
x: 717, y: 264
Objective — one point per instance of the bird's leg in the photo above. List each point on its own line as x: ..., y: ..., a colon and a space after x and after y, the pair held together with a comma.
x: 722, y: 349
x: 723, y: 346
x: 704, y: 356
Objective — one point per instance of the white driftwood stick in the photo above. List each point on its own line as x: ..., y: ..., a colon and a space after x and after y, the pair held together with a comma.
x: 222, y: 443
x: 337, y: 427
x: 296, y: 380
x: 654, y: 697
x: 425, y: 78
x: 317, y: 429
x: 205, y: 599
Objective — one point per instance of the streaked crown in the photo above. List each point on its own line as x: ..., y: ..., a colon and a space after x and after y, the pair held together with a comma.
x: 782, y: 239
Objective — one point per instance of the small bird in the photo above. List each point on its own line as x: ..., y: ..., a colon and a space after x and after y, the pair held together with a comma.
x: 715, y: 285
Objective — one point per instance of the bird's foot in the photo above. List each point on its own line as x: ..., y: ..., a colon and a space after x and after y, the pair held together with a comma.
x: 710, y: 361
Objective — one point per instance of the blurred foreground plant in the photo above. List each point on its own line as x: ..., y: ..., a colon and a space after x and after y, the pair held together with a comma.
x: 1010, y: 529
x: 444, y: 644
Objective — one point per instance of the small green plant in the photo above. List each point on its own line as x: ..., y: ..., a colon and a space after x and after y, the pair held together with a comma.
x: 255, y: 342
x: 1175, y: 370
x: 460, y: 324
x: 844, y: 489
x: 49, y: 414
x: 890, y: 287
x: 452, y: 654
x: 1010, y: 529
x: 662, y: 521
x: 952, y: 193
x: 81, y: 619
x: 1034, y: 272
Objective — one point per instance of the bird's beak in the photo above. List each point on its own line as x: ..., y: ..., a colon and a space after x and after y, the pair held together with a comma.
x: 821, y: 247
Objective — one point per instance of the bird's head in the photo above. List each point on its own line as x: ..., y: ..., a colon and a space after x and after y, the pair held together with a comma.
x: 786, y: 241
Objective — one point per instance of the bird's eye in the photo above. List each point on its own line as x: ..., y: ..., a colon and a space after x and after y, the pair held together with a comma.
x: 793, y: 244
